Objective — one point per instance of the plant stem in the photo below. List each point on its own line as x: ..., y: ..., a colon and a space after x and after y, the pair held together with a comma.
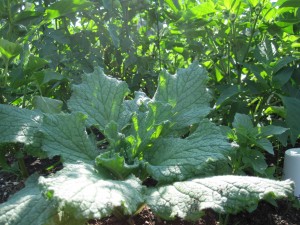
x: 251, y: 38
x: 23, y: 168
x: 158, y: 34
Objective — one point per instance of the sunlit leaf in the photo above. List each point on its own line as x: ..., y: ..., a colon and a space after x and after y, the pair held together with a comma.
x: 9, y: 49
x: 62, y: 8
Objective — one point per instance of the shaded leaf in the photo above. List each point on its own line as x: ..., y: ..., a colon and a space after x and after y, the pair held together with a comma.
x: 65, y: 135
x: 47, y: 105
x: 173, y: 159
x: 18, y: 125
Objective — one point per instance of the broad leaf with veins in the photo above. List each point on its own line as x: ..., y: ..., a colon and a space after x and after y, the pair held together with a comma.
x: 223, y: 194
x: 87, y: 194
x: 100, y: 97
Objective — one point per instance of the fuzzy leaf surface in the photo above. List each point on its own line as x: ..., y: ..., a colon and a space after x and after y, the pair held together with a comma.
x: 86, y: 193
x: 28, y: 206
x: 65, y: 135
x: 186, y: 92
x: 173, y: 159
x: 100, y: 97
x: 223, y: 194
x: 47, y: 105
x: 18, y: 125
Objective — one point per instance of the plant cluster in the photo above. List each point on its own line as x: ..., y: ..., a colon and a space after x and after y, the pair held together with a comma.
x: 166, y: 138
x: 240, y: 70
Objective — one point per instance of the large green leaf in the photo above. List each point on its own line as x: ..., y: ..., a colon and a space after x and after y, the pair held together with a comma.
x: 83, y: 192
x: 100, y: 97
x: 65, y: 135
x: 223, y: 194
x: 28, y: 206
x: 173, y: 159
x: 18, y: 125
x: 186, y: 92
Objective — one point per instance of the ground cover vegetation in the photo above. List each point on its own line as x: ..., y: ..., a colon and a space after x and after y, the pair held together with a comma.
x: 198, y: 97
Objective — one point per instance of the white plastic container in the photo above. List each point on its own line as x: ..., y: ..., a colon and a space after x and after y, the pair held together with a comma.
x: 291, y: 168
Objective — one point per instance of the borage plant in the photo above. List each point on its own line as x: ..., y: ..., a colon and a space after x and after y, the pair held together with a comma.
x: 166, y: 138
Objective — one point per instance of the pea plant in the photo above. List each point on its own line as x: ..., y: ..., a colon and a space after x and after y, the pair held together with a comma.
x: 166, y: 138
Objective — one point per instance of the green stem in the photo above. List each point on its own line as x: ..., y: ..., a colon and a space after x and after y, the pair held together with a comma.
x: 23, y: 168
x: 228, y: 63
x: 158, y: 35
x: 251, y: 38
x: 21, y: 163
x: 259, y: 109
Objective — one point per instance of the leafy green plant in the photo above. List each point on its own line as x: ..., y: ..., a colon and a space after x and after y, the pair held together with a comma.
x: 252, y: 144
x: 166, y: 138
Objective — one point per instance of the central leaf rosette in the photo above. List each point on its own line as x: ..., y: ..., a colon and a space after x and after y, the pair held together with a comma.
x: 145, y: 134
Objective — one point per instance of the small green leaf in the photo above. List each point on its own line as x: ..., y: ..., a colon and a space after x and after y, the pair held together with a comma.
x: 254, y: 159
x: 34, y: 63
x: 265, y: 144
x: 271, y: 130
x: 45, y: 76
x: 116, y: 165
x: 112, y: 29
x: 295, y: 45
x: 173, y: 4
x: 242, y: 121
x: 279, y: 110
x: 9, y: 49
x: 223, y: 194
x: 282, y: 77
x: 227, y: 94
x: 284, y: 61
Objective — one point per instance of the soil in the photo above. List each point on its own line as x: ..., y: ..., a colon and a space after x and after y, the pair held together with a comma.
x: 265, y: 214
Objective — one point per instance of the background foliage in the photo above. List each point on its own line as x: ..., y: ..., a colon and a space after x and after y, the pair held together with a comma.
x: 250, y: 48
